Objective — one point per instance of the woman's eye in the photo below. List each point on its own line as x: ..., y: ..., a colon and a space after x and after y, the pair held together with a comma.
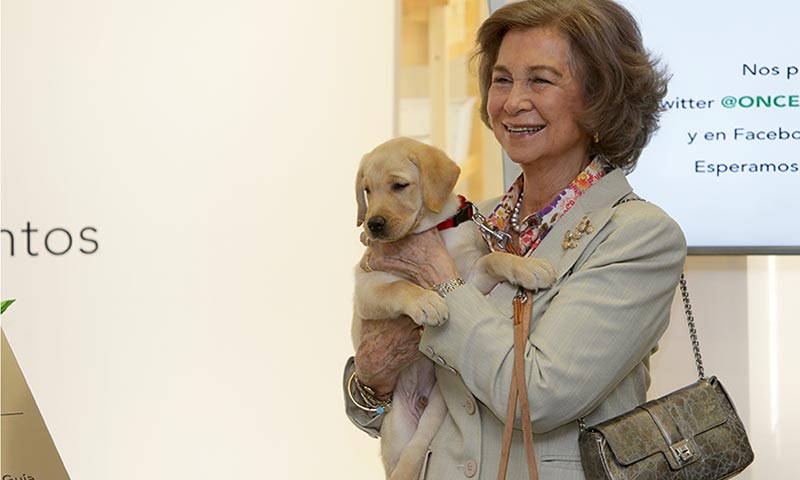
x: 501, y: 80
x: 540, y: 80
x: 399, y: 186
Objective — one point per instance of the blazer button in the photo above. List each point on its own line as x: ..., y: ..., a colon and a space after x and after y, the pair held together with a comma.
x: 469, y: 405
x: 470, y: 468
x: 431, y: 351
x: 441, y: 361
x: 452, y: 370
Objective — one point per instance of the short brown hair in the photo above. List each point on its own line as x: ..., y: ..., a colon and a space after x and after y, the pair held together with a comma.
x: 622, y: 83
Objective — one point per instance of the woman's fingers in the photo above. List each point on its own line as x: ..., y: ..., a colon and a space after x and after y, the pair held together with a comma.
x: 419, y: 258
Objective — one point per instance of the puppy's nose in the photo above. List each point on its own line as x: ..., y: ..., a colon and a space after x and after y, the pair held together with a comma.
x: 376, y: 225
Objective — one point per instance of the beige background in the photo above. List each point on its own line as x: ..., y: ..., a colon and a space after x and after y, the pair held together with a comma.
x: 213, y: 145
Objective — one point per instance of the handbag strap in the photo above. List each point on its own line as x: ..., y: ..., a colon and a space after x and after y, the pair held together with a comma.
x: 523, y: 304
x: 687, y: 309
x: 687, y: 305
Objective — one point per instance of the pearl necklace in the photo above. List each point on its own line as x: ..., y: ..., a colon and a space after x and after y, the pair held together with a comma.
x: 515, y: 215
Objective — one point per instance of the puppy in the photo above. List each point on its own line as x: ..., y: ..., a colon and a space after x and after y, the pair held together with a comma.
x: 404, y: 187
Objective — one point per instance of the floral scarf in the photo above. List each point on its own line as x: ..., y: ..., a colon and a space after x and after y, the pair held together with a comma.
x: 536, y: 225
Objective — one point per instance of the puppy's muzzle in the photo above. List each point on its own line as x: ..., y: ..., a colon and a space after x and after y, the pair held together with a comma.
x: 376, y: 226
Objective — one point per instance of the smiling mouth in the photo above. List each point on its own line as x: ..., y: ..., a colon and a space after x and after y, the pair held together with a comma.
x: 524, y: 130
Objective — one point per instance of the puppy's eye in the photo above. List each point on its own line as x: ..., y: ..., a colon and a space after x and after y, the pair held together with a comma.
x: 366, y: 190
x: 397, y: 187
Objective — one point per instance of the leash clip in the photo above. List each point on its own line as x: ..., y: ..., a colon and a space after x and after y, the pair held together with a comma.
x: 501, y: 238
x: 521, y: 295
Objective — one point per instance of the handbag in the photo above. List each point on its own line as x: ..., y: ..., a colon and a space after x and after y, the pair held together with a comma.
x: 692, y: 433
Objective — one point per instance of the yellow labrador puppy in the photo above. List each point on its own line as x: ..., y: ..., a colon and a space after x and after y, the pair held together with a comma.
x: 403, y: 187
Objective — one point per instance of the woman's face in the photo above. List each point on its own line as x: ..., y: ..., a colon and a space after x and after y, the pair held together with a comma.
x: 534, y: 101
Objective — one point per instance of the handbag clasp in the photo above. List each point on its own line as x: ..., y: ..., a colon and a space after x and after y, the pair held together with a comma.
x: 682, y: 451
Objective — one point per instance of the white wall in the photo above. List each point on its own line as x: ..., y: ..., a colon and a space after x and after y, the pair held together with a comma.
x: 212, y: 145
x: 774, y: 388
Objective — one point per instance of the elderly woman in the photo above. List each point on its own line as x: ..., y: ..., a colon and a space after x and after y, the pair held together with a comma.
x: 573, y: 98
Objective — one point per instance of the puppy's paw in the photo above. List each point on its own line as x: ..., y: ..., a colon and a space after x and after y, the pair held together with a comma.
x: 529, y: 273
x: 428, y: 309
x: 532, y: 273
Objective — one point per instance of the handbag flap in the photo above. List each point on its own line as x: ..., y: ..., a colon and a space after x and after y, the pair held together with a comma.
x: 636, y: 435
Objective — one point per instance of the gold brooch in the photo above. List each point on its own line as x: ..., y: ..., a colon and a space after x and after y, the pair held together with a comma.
x: 571, y: 237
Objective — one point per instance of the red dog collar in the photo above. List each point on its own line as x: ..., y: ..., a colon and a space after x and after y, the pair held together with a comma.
x: 463, y: 214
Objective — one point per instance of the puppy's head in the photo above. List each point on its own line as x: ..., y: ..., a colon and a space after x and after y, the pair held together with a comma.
x: 398, y: 183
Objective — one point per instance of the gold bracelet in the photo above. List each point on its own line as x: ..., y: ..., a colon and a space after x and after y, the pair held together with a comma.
x: 371, y: 403
x: 444, y: 288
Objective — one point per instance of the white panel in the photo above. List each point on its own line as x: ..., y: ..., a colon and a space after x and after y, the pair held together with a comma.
x: 773, y: 286
x: 212, y: 145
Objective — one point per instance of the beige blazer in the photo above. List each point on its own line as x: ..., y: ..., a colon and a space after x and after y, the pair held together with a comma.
x: 591, y: 337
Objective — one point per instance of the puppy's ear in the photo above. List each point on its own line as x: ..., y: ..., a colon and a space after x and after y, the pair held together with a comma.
x: 438, y: 175
x: 360, y: 197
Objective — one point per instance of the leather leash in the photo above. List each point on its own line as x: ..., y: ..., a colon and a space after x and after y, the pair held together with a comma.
x: 523, y: 304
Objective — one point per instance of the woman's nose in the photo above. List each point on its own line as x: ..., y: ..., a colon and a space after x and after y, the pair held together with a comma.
x: 519, y: 99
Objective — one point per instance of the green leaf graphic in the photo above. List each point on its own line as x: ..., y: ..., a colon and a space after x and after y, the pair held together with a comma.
x: 5, y: 304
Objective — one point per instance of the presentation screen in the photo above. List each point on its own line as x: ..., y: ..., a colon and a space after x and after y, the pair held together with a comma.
x: 726, y: 160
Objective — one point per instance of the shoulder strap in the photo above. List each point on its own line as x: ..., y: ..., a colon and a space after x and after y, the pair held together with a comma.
x: 631, y: 197
x: 687, y: 309
x: 687, y: 306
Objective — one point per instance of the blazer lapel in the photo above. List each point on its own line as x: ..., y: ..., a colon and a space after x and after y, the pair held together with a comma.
x: 596, y: 204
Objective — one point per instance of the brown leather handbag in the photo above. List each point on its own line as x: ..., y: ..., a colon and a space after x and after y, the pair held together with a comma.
x: 691, y: 434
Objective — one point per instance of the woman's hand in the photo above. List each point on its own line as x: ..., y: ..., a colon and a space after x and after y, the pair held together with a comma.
x: 421, y: 258
x: 387, y: 347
